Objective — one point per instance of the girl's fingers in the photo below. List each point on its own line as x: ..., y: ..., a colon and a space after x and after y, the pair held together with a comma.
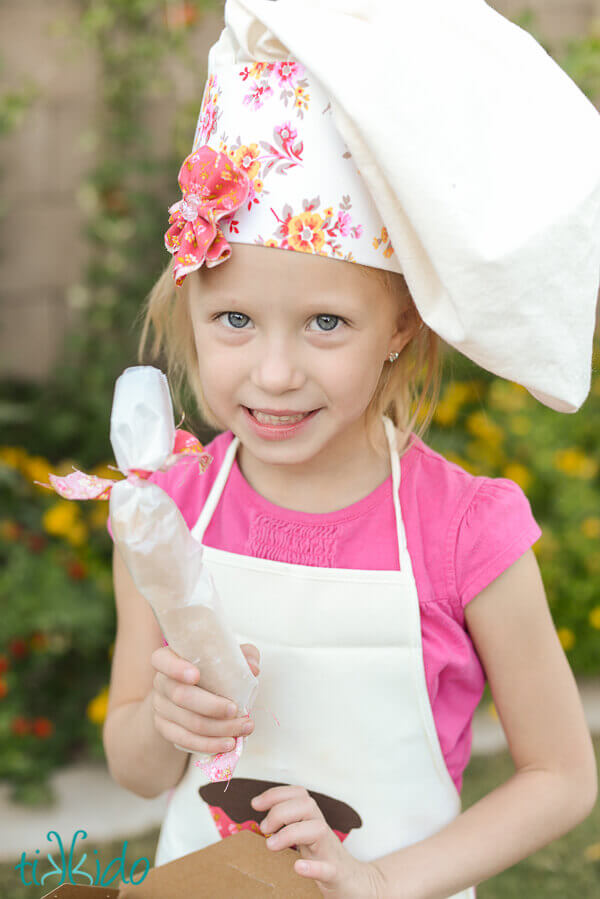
x: 174, y: 666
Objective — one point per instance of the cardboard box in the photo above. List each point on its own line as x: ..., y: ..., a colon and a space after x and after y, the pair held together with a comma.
x: 237, y: 867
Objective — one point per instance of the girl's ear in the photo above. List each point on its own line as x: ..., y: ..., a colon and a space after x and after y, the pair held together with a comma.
x: 408, y: 325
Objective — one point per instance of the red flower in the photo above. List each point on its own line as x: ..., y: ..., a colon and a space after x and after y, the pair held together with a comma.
x: 18, y: 647
x: 42, y: 727
x: 76, y: 570
x: 4, y: 664
x: 3, y: 688
x: 36, y: 542
x: 20, y: 726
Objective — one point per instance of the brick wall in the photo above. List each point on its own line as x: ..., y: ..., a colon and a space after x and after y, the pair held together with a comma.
x: 42, y: 249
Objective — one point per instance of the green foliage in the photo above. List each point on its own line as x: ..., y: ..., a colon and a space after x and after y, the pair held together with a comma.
x: 494, y: 428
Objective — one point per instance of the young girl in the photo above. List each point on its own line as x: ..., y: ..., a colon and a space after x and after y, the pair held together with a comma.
x: 373, y: 585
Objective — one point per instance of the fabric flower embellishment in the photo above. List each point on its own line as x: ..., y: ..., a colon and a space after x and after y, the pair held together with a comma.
x: 79, y: 485
x: 213, y: 187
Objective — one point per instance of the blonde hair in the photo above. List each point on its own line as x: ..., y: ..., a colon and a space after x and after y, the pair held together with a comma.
x: 402, y: 383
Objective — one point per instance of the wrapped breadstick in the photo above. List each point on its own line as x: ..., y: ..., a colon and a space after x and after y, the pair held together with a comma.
x: 164, y: 560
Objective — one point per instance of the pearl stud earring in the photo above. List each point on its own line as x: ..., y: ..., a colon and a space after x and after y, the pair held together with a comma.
x: 393, y: 356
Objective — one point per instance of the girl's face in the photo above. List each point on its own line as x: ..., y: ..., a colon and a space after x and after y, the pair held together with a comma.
x: 283, y: 330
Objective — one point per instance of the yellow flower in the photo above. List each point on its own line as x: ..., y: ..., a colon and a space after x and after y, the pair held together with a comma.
x: 462, y: 391
x: 507, y: 396
x: 78, y: 534
x: 481, y: 426
x: 574, y: 462
x: 36, y: 468
x: 445, y: 413
x: 60, y: 518
x: 519, y: 474
x: 12, y: 456
x: 96, y: 708
x: 566, y: 637
x: 595, y: 617
x: 590, y: 527
x: 491, y: 709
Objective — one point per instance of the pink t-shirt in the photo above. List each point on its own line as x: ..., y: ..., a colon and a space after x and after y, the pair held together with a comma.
x: 462, y: 532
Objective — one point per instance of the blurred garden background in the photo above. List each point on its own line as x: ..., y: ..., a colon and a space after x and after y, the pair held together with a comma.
x: 98, y: 106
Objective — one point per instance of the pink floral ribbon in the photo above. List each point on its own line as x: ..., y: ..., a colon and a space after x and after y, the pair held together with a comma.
x: 213, y: 187
x: 79, y: 485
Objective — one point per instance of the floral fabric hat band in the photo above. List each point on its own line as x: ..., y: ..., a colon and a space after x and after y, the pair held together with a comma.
x: 269, y: 167
x: 460, y: 155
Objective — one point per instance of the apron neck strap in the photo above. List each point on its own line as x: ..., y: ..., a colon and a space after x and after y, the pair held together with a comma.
x: 390, y: 433
x: 215, y: 492
x: 219, y: 484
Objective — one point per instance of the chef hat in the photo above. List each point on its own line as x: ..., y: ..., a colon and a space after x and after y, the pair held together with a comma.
x: 434, y: 139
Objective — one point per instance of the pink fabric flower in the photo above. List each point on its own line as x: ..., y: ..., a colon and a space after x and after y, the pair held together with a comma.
x: 79, y: 485
x: 213, y: 187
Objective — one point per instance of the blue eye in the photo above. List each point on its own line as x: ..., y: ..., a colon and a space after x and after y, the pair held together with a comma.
x: 232, y: 315
x: 330, y: 318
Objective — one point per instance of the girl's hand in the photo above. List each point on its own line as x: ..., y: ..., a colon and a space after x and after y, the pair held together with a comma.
x: 296, y: 819
x: 191, y: 718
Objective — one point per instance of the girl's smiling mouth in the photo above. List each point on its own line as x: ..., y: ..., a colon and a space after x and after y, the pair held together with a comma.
x: 269, y: 428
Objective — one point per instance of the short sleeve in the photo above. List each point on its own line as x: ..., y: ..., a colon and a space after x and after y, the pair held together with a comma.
x: 496, y: 528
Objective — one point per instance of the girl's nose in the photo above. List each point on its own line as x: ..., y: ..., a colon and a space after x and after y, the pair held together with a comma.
x: 277, y: 369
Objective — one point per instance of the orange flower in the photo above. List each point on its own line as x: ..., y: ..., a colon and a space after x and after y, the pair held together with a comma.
x: 10, y: 530
x: 304, y: 232
x: 42, y: 727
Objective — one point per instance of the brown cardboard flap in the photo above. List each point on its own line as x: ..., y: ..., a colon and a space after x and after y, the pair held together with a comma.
x: 237, y: 867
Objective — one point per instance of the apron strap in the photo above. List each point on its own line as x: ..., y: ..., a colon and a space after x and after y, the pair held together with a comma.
x: 390, y: 432
x: 215, y: 492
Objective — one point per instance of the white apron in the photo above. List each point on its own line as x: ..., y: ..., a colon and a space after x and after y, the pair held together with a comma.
x: 342, y: 671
